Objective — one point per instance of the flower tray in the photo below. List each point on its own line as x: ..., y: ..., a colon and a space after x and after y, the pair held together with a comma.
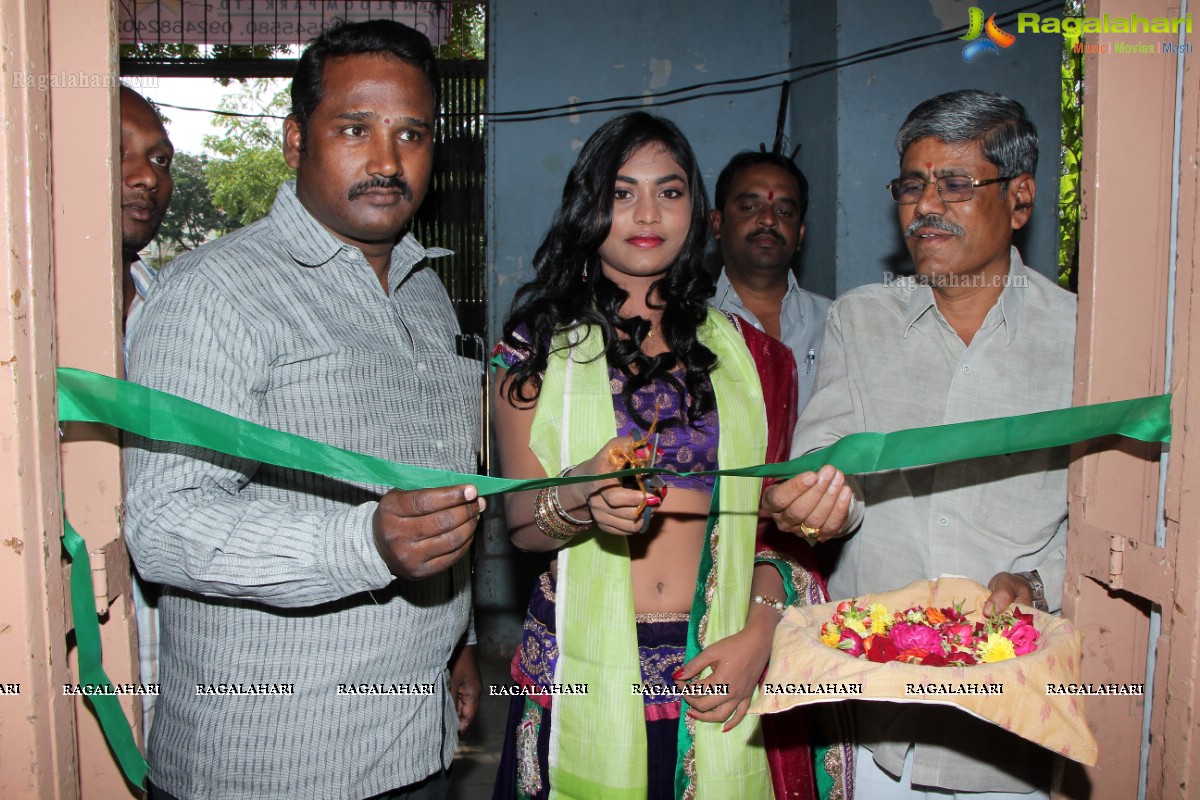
x: 1022, y: 695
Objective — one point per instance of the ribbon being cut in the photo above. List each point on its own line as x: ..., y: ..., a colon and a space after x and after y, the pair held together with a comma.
x: 89, y: 397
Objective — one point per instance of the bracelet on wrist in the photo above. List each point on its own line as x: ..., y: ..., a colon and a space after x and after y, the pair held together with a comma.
x: 1036, y: 588
x: 767, y: 600
x: 550, y: 522
x: 557, y: 507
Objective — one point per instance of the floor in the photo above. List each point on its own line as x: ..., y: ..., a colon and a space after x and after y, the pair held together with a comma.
x: 479, y: 747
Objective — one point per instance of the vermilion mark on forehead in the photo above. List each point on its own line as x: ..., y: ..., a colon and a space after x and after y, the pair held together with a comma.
x: 387, y: 122
x: 770, y: 195
x: 928, y: 165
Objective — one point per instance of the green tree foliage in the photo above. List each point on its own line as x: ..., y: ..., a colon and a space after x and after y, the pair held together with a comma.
x: 249, y: 167
x: 191, y: 219
x: 176, y: 52
x: 1072, y: 150
x: 466, y: 38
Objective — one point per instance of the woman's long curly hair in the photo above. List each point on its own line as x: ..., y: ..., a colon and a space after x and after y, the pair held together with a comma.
x: 560, y: 297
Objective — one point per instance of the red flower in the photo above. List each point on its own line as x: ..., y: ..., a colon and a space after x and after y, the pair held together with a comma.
x: 1020, y: 617
x: 960, y: 658
x: 880, y: 648
x: 934, y: 659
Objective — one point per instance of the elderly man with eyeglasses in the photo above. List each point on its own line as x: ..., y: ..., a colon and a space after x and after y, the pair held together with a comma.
x: 976, y: 334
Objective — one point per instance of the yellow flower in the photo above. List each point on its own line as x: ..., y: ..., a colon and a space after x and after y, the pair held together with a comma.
x: 830, y: 635
x: 881, y: 618
x: 996, y: 648
x: 857, y: 626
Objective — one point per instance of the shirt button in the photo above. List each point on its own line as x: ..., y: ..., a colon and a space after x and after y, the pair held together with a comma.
x: 440, y: 445
x: 966, y: 368
x: 420, y: 366
x: 943, y: 520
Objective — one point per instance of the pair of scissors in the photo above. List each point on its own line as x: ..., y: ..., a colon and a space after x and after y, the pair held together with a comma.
x: 653, y: 484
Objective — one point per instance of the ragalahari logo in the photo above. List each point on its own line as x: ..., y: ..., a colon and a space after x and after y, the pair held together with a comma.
x: 995, y: 39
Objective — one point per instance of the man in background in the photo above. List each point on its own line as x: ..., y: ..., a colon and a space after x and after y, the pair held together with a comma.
x: 758, y: 222
x: 146, y: 185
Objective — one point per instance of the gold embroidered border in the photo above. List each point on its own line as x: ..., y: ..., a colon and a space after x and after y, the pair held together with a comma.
x: 839, y: 758
x: 689, y: 761
x: 710, y: 586
x: 835, y: 765
x: 529, y: 774
x: 801, y: 579
x: 544, y: 585
x: 663, y: 616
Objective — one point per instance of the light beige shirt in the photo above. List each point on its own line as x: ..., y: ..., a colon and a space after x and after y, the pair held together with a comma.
x: 801, y: 327
x: 890, y: 362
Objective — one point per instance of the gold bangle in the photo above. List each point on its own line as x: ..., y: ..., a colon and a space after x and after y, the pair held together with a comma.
x: 550, y: 523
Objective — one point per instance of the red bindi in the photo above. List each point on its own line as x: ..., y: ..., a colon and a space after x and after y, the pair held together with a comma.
x: 928, y: 165
x: 387, y: 122
x: 770, y: 195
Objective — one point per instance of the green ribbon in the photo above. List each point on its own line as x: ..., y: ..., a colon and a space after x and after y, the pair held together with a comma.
x: 91, y: 669
x: 88, y: 397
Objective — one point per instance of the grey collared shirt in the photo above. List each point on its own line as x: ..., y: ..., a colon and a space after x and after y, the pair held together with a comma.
x: 271, y: 575
x: 801, y: 327
x: 891, y: 361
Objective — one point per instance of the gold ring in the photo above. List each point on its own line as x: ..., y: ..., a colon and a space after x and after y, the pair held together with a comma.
x: 811, y: 534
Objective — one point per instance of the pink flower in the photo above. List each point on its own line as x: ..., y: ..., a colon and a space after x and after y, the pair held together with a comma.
x: 910, y: 636
x: 1023, y: 636
x: 851, y: 642
x: 959, y: 633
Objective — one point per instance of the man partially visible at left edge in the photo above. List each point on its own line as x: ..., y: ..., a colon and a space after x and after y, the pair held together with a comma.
x: 146, y: 184
x: 307, y: 623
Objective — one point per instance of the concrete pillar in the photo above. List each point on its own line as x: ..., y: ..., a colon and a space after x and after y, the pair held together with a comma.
x: 37, y: 725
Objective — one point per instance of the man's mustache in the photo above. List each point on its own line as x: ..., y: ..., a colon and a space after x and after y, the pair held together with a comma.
x: 931, y: 221
x: 766, y: 232
x: 393, y: 183
x: 139, y: 198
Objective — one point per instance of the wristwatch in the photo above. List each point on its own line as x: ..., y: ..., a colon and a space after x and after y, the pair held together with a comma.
x: 1036, y: 588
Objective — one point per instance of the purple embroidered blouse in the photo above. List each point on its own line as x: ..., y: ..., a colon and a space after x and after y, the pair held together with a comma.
x: 685, y: 448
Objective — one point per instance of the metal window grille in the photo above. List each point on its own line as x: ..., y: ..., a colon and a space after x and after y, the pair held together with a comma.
x: 258, y: 38
x: 452, y: 215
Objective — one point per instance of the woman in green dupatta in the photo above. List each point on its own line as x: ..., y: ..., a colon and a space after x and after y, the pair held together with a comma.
x: 645, y: 641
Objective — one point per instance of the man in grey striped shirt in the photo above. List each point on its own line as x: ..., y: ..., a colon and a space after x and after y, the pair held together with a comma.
x: 975, y: 334
x: 307, y: 623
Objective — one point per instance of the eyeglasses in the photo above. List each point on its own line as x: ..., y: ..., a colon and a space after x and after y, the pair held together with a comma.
x: 951, y: 188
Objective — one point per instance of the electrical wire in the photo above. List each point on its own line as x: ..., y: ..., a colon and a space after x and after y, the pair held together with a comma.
x: 697, y: 91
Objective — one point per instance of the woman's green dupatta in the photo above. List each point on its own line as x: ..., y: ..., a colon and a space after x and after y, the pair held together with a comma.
x: 598, y: 740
